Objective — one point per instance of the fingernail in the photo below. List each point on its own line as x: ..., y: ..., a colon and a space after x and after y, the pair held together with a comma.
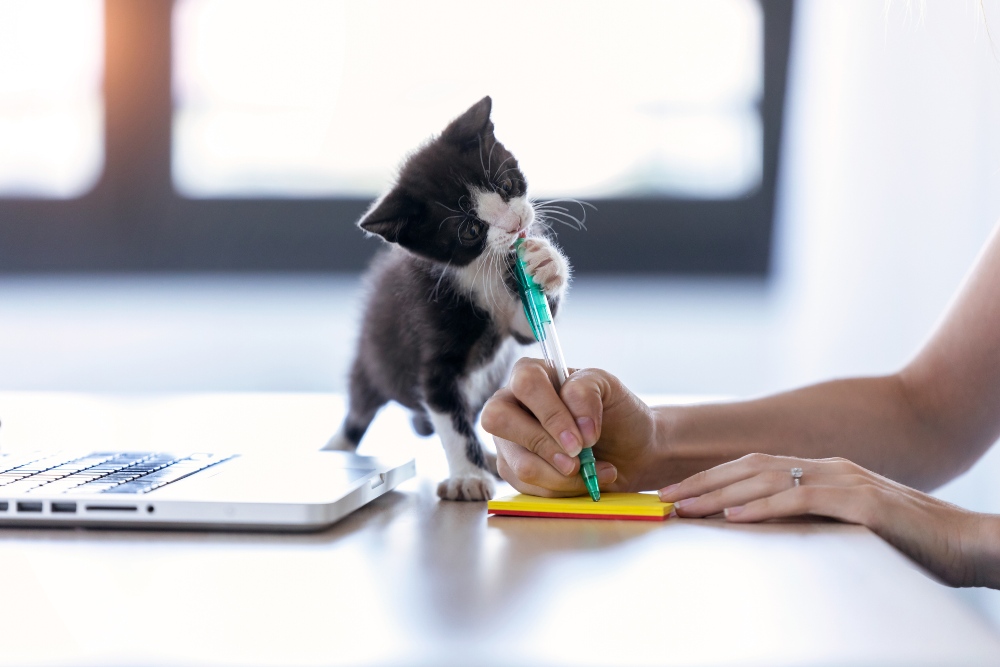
x: 733, y: 511
x: 606, y: 475
x: 684, y: 503
x: 667, y: 490
x: 564, y: 463
x: 570, y: 443
x: 588, y: 429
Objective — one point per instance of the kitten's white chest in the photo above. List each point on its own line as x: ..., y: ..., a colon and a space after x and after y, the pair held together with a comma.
x: 483, y: 280
x: 481, y: 383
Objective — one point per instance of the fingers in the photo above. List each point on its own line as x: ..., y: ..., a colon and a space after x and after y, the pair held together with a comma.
x: 531, y: 385
x: 755, y: 477
x: 529, y: 473
x: 846, y: 503
x: 746, y: 467
x: 764, y: 484
x: 506, y: 419
x: 584, y: 394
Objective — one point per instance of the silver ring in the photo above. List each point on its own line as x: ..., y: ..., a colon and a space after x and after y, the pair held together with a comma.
x: 796, y: 475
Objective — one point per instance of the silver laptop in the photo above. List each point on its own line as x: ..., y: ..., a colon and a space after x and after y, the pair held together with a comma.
x: 191, y: 489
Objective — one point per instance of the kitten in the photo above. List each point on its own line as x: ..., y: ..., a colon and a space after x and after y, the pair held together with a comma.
x: 443, y: 317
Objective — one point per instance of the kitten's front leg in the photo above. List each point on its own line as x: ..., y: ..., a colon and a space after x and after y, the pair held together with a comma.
x: 550, y: 270
x: 468, y: 478
x: 548, y: 267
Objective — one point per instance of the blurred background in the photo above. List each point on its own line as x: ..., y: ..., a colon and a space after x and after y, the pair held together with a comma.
x: 785, y: 191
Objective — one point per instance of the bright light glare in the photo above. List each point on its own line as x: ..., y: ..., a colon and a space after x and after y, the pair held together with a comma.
x: 51, y: 105
x: 319, y: 97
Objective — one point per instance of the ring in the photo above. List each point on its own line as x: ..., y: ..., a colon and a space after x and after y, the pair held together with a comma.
x: 796, y: 475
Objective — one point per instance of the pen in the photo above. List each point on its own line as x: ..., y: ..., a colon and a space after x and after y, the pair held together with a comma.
x: 536, y: 309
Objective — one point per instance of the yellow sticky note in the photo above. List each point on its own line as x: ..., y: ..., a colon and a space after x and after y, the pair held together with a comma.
x: 633, y: 506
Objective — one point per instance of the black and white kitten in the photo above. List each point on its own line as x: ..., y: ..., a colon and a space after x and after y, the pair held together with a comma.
x: 443, y: 317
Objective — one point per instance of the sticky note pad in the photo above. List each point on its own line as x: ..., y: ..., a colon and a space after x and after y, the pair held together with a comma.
x: 631, y: 506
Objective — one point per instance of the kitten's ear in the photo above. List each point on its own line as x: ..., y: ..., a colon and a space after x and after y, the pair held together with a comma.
x: 467, y: 128
x: 389, y: 215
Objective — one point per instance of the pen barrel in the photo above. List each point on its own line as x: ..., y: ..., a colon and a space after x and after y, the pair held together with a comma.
x: 552, y: 351
x: 536, y: 306
x: 539, y: 316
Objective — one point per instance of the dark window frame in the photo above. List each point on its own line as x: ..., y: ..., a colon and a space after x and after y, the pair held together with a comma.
x: 134, y: 219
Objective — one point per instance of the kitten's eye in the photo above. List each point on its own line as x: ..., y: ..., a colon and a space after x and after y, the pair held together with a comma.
x: 472, y: 231
x: 506, y: 185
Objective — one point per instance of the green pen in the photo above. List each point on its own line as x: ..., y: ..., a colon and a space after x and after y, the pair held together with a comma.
x: 536, y: 309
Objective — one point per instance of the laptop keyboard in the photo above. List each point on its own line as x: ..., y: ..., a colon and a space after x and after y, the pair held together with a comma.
x: 98, y: 472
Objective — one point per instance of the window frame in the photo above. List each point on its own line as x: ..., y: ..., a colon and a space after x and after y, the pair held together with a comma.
x: 134, y: 220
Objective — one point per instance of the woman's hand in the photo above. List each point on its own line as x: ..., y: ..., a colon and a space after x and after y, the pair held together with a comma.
x: 539, y: 433
x: 943, y: 538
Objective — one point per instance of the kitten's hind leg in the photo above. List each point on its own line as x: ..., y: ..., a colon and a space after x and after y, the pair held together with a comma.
x: 491, y: 463
x: 421, y: 423
x: 469, y: 479
x: 364, y: 403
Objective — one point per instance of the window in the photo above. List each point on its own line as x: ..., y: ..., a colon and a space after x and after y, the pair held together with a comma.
x: 51, y: 107
x: 661, y: 98
x: 251, y: 134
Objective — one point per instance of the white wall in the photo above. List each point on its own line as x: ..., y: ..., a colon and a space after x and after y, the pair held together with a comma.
x: 890, y: 188
x: 891, y: 176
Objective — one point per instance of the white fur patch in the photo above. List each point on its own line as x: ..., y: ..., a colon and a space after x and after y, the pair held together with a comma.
x: 483, y: 280
x: 466, y: 481
x: 511, y: 217
x: 483, y: 382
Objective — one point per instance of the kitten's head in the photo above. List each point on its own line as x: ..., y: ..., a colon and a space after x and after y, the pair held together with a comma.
x: 460, y: 195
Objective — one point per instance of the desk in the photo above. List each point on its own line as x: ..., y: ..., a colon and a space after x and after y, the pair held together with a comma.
x: 411, y: 580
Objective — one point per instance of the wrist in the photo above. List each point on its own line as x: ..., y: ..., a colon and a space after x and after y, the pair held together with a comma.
x: 684, y: 446
x: 980, y: 547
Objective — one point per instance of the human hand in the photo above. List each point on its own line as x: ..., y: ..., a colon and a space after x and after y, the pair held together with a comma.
x: 539, y: 433
x: 758, y: 487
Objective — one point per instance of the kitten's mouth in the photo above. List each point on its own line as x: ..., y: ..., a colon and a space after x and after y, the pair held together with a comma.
x: 523, y: 234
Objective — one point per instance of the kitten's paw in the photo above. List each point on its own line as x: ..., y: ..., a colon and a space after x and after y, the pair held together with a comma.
x: 546, y: 265
x: 466, y: 488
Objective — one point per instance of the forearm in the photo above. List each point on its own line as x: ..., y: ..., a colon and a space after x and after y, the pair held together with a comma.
x: 871, y: 421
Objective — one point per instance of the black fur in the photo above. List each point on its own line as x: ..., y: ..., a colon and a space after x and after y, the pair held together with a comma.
x: 423, y: 333
x: 429, y: 207
x: 414, y: 349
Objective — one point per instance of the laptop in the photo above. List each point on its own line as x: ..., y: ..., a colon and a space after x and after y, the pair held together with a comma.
x: 291, y: 492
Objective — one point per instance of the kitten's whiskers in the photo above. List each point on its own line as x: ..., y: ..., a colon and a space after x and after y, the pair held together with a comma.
x: 485, y: 172
x: 482, y: 269
x: 464, y: 210
x: 500, y: 166
x: 489, y: 160
x: 494, y: 269
x: 451, y: 217
x: 436, y: 292
x: 447, y: 207
x: 550, y: 209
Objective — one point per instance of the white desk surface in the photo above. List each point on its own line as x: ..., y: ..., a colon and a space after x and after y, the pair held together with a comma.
x: 409, y: 580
